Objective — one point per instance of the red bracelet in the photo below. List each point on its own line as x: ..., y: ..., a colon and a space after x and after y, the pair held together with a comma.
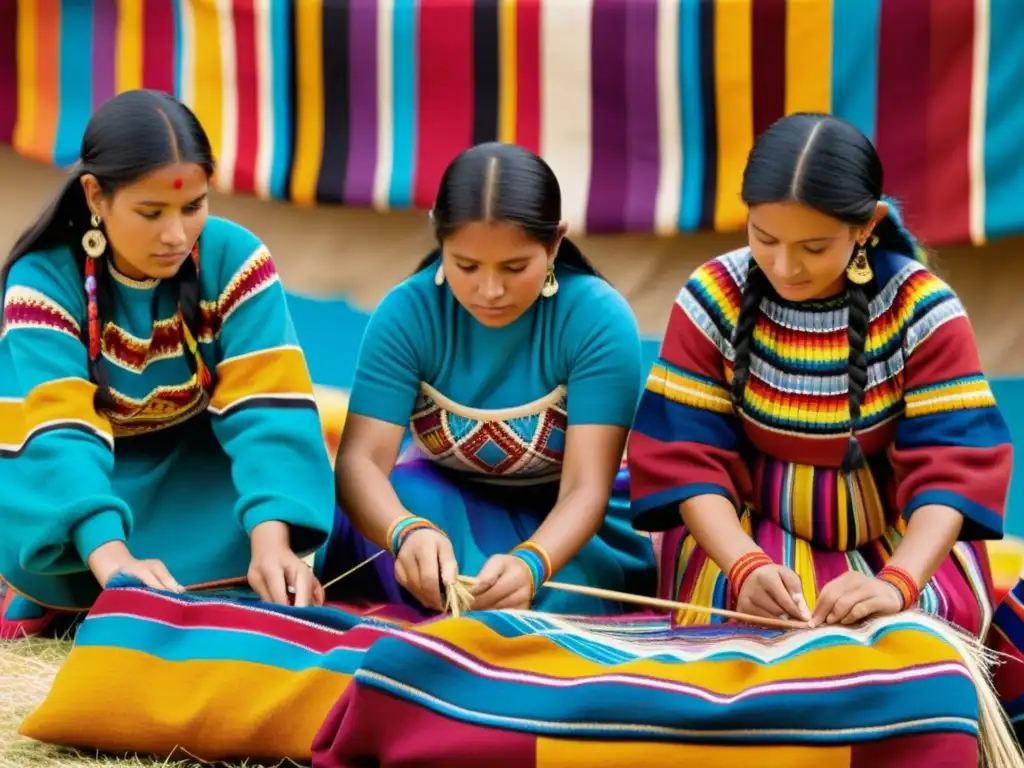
x: 904, y: 583
x: 744, y: 566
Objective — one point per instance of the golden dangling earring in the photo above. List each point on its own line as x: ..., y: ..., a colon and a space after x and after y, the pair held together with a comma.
x: 439, y: 275
x: 94, y: 242
x: 550, y: 287
x: 859, y: 270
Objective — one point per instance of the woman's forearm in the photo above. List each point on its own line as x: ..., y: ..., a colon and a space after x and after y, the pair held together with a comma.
x: 931, y: 533
x: 715, y: 526
x: 366, y: 496
x: 572, y: 522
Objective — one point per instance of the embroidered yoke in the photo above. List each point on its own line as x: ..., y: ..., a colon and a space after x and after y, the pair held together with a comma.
x: 929, y: 426
x: 524, y: 444
x: 179, y: 473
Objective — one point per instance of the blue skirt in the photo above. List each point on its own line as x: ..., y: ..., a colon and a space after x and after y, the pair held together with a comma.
x: 484, y: 520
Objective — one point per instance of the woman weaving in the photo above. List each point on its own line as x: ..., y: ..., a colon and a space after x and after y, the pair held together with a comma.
x: 517, y: 369
x: 157, y: 415
x: 818, y: 417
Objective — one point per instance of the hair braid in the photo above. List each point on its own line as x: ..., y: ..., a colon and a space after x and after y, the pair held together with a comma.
x: 188, y: 296
x: 192, y: 316
x: 743, y: 334
x: 857, y: 333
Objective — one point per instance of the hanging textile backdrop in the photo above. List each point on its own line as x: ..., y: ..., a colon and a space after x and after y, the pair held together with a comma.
x: 645, y: 108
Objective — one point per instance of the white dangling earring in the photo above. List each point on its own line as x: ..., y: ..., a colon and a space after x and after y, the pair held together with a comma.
x: 550, y: 287
x: 439, y: 275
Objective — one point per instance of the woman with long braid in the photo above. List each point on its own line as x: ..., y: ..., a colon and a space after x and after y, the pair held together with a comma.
x: 818, y: 420
x: 156, y: 413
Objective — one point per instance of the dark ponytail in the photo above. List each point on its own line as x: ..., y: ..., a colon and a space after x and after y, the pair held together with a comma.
x: 503, y: 182
x: 827, y: 164
x: 131, y: 135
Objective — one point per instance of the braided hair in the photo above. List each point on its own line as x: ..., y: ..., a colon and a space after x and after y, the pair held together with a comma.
x: 827, y: 164
x: 503, y: 182
x: 130, y: 136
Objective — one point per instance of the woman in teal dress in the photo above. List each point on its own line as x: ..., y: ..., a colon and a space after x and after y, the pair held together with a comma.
x: 156, y: 414
x: 517, y: 370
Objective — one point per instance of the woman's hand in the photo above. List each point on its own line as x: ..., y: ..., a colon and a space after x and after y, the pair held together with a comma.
x: 425, y: 561
x: 854, y: 597
x: 113, y: 557
x: 773, y: 591
x: 276, y: 573
x: 505, y: 581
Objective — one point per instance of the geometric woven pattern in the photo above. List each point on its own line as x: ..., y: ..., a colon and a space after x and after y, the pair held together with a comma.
x: 526, y: 444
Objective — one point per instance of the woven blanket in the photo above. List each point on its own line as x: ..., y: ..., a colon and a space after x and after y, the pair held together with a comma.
x: 542, y: 691
x: 223, y: 677
x: 646, y: 109
x: 211, y: 676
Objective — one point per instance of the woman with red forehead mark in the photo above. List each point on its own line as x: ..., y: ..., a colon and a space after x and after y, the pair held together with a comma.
x: 156, y: 413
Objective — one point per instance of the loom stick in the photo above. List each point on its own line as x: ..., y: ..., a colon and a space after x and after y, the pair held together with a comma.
x: 657, y: 602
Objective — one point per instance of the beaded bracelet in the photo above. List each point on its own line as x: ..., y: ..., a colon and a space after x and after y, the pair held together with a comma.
x: 404, y: 527
x: 744, y: 566
x: 903, y: 582
x: 537, y: 560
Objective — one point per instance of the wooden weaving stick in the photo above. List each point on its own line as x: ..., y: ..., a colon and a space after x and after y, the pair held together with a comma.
x: 607, y: 594
x: 657, y: 602
x: 238, y: 581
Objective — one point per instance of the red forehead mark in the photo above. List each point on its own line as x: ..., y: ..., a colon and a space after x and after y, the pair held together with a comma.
x: 178, y: 183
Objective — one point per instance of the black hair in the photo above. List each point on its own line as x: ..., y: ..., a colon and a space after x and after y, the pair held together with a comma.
x: 827, y: 164
x: 503, y: 182
x: 130, y: 136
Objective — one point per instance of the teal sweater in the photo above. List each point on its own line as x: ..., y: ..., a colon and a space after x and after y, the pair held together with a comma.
x: 571, y: 359
x: 176, y: 472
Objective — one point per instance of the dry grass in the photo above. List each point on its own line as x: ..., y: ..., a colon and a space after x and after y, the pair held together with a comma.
x: 27, y: 668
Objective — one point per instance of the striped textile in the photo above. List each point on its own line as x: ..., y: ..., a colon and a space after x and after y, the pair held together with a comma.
x: 230, y: 61
x: 214, y: 675
x: 223, y: 678
x: 1007, y: 639
x: 645, y: 108
x: 536, y: 691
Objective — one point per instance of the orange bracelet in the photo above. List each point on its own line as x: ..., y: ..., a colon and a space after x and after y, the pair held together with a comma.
x: 537, y: 560
x: 744, y: 566
x: 903, y: 582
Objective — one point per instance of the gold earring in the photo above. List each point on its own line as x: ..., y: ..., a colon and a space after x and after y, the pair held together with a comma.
x: 94, y: 242
x: 550, y: 287
x: 439, y: 275
x: 859, y: 270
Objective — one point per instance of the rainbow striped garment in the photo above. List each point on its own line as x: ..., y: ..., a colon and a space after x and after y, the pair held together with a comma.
x: 929, y: 426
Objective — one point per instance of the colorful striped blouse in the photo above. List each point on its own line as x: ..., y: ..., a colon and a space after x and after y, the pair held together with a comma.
x: 929, y: 423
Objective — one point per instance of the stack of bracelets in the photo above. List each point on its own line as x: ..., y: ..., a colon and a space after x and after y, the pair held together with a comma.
x: 537, y: 561
x: 903, y: 582
x: 743, y: 568
x: 532, y: 554
x: 896, y: 577
x: 404, y: 527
